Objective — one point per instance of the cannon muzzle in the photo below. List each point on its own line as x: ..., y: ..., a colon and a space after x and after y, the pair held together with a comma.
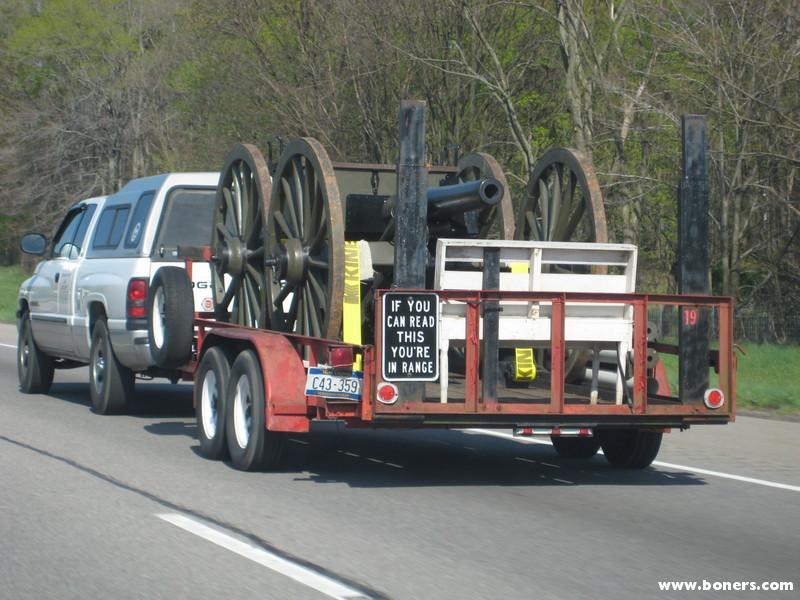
x: 464, y: 197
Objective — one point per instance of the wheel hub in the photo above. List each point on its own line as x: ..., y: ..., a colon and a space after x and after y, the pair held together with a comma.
x: 292, y: 261
x: 233, y: 258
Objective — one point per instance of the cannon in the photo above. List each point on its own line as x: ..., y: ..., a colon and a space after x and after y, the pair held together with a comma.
x: 280, y: 230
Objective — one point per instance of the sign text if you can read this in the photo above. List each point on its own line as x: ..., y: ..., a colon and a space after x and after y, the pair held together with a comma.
x: 410, y: 336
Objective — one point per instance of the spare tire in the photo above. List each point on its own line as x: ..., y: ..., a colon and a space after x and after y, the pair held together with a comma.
x: 170, y: 310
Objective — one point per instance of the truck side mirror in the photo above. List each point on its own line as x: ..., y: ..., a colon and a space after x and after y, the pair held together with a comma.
x: 33, y: 243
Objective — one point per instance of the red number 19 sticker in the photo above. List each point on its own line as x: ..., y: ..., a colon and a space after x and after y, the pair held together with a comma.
x: 690, y: 316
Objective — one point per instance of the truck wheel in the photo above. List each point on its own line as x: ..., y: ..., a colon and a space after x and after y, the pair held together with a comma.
x: 110, y: 382
x: 170, y: 309
x: 34, y: 367
x: 251, y: 446
x: 575, y: 447
x: 210, y: 387
x: 630, y: 448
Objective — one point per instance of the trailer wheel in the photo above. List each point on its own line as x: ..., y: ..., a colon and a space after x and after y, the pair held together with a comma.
x: 110, y: 382
x: 575, y: 447
x: 630, y: 448
x: 170, y: 309
x: 252, y: 447
x: 34, y: 367
x: 210, y: 387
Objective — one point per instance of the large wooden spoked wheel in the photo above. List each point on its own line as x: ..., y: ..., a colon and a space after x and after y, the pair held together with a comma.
x: 563, y: 203
x: 479, y: 165
x: 305, y: 243
x: 242, y: 198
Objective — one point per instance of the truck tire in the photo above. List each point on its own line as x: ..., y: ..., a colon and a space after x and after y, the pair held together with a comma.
x: 34, y: 368
x: 110, y: 382
x: 170, y: 309
x: 210, y: 389
x: 251, y: 446
x: 630, y: 448
x: 575, y: 447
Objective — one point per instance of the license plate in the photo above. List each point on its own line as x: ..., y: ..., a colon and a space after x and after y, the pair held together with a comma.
x: 321, y: 382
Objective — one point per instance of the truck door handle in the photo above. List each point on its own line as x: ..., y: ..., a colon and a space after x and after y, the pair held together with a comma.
x: 57, y: 277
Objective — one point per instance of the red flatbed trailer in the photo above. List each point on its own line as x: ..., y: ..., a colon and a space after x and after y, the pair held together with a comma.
x: 279, y: 399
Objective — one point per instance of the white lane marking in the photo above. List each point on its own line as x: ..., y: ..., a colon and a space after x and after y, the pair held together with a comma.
x: 699, y: 471
x: 14, y: 347
x: 658, y: 463
x: 308, y: 577
x: 562, y: 480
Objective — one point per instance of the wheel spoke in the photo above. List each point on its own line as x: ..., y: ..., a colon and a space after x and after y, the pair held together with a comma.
x: 313, y: 315
x: 544, y: 196
x: 282, y: 295
x: 281, y: 221
x: 237, y: 201
x: 288, y: 205
x: 291, y: 316
x: 300, y: 197
x: 230, y: 211
x: 230, y: 293
x: 555, y: 205
x: 253, y: 300
x: 226, y: 233
x: 317, y: 288
x: 319, y: 236
x: 318, y: 263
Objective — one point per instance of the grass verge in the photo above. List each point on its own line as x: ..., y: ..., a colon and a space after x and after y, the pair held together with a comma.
x: 765, y: 378
x: 10, y: 278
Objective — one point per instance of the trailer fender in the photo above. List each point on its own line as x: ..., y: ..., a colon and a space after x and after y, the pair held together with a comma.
x: 282, y: 370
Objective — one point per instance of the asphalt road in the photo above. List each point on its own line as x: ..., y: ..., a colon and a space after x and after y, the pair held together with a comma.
x: 123, y: 507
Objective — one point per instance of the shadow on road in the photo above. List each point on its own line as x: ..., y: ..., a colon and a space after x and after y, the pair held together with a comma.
x: 151, y: 400
x: 437, y: 458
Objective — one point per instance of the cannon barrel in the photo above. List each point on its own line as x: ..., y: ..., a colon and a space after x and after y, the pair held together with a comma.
x: 464, y: 197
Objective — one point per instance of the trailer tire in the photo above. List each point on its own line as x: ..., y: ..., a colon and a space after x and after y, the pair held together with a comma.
x: 110, y: 382
x: 170, y: 310
x: 252, y: 447
x: 210, y: 393
x: 575, y: 447
x: 630, y: 448
x: 34, y: 368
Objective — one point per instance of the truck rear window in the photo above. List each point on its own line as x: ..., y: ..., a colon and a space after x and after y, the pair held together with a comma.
x: 188, y: 220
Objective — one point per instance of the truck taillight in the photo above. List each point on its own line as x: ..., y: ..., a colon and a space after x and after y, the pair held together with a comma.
x: 713, y: 398
x: 136, y: 299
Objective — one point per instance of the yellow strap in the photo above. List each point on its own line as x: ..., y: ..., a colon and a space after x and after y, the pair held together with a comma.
x: 524, y: 365
x: 519, y: 267
x: 351, y: 315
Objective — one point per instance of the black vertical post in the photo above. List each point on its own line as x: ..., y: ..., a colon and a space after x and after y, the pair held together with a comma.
x: 693, y: 241
x: 411, y: 209
x: 411, y: 216
x: 491, y: 323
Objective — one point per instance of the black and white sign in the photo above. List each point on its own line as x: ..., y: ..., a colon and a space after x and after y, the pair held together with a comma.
x: 410, y: 337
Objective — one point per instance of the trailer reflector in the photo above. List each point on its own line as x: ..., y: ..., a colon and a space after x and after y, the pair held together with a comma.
x: 557, y: 431
x: 713, y: 398
x: 387, y: 393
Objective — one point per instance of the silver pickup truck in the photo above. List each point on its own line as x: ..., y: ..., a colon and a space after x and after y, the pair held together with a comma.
x: 90, y: 300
